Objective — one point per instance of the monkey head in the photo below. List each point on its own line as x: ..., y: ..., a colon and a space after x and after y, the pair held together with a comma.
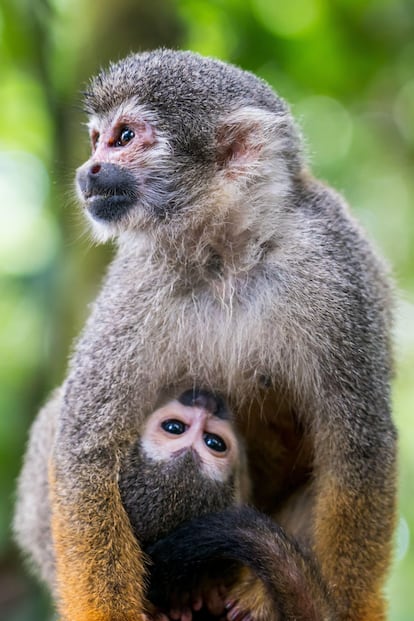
x: 188, y: 462
x: 177, y: 141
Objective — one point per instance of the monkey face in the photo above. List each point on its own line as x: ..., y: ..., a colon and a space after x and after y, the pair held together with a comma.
x: 123, y: 182
x: 178, y: 429
x: 177, y: 141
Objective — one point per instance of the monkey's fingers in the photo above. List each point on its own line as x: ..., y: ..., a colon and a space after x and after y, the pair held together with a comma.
x: 214, y: 600
x: 181, y: 614
x: 180, y: 608
x: 196, y: 600
x: 175, y: 614
x: 187, y: 614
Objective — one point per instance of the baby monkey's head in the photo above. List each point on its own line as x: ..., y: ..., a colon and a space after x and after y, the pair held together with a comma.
x: 189, y: 461
x: 195, y: 427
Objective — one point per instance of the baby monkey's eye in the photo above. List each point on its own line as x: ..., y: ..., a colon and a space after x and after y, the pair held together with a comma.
x: 174, y: 426
x: 214, y: 442
x: 125, y: 136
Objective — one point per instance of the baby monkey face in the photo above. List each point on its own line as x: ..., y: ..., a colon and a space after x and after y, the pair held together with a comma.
x: 178, y: 428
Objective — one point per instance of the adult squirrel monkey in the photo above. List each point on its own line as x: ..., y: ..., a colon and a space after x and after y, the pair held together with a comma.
x: 237, y: 272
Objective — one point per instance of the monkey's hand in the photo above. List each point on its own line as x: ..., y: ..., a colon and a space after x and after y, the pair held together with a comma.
x: 238, y: 595
x: 200, y: 593
x: 207, y: 599
x: 228, y: 597
x: 201, y: 598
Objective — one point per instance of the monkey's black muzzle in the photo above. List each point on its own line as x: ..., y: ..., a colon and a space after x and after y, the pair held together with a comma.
x: 109, y: 191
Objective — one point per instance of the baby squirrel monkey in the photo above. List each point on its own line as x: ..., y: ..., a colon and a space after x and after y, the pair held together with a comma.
x: 236, y: 271
x: 188, y: 462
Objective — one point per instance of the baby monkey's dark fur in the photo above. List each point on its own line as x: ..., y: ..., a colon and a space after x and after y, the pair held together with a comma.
x: 238, y: 272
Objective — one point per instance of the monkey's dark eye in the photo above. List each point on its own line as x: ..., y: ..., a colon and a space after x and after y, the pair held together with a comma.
x: 214, y: 442
x: 174, y: 426
x: 125, y: 136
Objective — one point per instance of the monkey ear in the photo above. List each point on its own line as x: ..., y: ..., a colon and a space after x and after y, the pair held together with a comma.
x: 243, y: 136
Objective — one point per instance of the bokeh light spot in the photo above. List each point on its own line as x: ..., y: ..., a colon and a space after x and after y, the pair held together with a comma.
x: 28, y: 233
x: 404, y: 111
x: 402, y: 539
x: 288, y: 19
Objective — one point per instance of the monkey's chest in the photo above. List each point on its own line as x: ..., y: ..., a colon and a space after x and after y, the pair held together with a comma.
x: 217, y: 344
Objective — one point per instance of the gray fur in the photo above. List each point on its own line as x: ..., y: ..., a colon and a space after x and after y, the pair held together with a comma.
x: 32, y: 516
x: 262, y: 272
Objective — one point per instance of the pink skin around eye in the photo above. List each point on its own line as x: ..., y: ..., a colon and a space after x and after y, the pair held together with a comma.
x: 105, y: 142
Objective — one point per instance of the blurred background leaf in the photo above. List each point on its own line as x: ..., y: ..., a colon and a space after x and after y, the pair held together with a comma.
x: 346, y: 67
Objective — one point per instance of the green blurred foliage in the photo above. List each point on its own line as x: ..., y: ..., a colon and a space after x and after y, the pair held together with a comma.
x: 347, y: 68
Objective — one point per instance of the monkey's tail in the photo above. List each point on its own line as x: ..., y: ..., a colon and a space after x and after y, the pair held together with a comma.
x: 215, y: 545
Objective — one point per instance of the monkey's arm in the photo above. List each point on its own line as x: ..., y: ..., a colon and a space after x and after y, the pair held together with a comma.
x: 341, y: 310
x: 218, y: 546
x: 109, y: 391
x: 85, y: 536
x: 99, y: 564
